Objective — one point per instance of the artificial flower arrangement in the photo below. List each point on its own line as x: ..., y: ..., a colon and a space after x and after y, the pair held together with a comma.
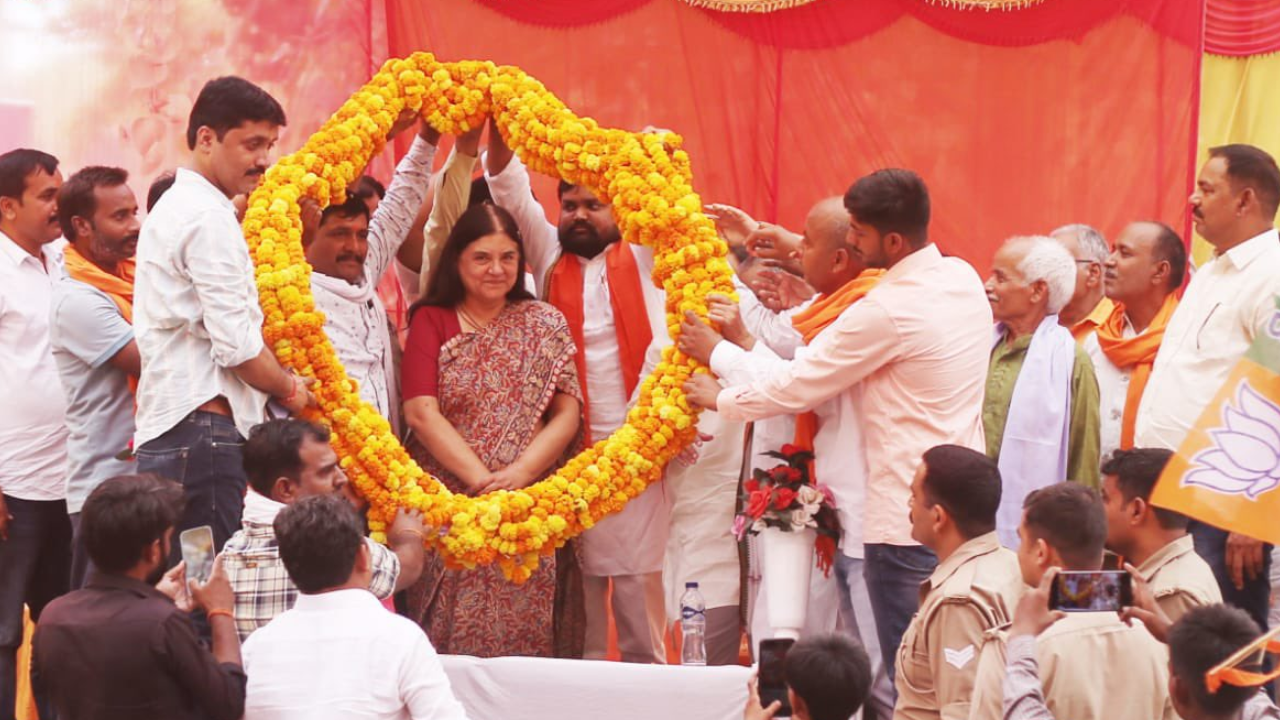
x: 785, y: 498
x: 648, y: 180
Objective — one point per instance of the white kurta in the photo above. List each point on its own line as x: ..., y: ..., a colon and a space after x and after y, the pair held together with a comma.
x: 1113, y: 392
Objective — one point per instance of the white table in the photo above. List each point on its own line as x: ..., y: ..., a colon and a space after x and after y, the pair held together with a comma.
x: 517, y: 688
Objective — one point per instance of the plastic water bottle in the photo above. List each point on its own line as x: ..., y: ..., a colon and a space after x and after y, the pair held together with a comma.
x: 693, y: 626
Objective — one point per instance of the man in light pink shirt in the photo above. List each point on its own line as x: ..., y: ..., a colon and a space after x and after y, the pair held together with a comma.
x: 918, y: 344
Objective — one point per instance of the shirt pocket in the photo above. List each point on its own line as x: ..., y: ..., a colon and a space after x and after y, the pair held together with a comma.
x: 1214, y: 335
x: 914, y: 669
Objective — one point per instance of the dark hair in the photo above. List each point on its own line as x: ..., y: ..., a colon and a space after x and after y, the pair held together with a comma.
x: 159, y: 187
x: 831, y: 673
x: 353, y: 207
x: 563, y: 187
x: 1252, y: 167
x: 367, y: 186
x: 445, y: 289
x: 1070, y: 518
x: 76, y: 198
x: 318, y: 538
x: 1136, y: 472
x: 1202, y: 639
x: 1170, y: 248
x: 226, y: 103
x: 480, y: 192
x: 966, y: 483
x: 124, y: 515
x: 16, y: 165
x: 272, y: 451
x: 890, y: 201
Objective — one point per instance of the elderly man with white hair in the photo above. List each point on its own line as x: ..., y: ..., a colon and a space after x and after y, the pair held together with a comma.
x: 1041, y: 409
x: 1089, y: 306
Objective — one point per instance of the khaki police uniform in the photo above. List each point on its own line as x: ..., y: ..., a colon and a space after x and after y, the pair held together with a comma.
x: 969, y: 593
x: 1092, y: 667
x: 1180, y: 579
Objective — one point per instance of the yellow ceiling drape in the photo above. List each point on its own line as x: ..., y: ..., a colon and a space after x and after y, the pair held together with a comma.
x: 1238, y: 104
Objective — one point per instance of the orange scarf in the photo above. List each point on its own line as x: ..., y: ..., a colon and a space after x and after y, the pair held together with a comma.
x: 813, y: 320
x: 630, y: 318
x: 118, y: 287
x: 1138, y: 353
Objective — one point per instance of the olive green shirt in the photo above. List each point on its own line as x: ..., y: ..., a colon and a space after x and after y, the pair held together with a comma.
x: 1083, y: 462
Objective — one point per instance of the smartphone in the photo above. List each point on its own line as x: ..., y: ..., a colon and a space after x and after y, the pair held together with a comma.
x: 1102, y: 591
x: 197, y: 552
x: 772, y: 676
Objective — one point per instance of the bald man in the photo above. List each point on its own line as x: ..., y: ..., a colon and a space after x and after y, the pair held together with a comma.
x: 1142, y: 276
x: 756, y: 344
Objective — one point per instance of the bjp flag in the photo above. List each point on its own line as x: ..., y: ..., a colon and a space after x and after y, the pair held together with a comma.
x: 1227, y: 472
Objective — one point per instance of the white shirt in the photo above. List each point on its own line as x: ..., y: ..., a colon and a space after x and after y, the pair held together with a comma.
x: 342, y: 655
x: 631, y: 542
x: 919, y: 344
x: 354, y: 318
x: 33, y: 430
x: 195, y: 310
x: 1113, y: 391
x: 839, y: 451
x: 1228, y: 300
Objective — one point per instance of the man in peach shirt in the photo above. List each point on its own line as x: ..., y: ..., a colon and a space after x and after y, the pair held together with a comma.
x: 918, y: 344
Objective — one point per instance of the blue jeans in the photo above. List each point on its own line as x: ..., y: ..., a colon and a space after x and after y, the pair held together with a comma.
x: 1255, y: 597
x: 35, y: 566
x: 204, y: 453
x: 857, y: 621
x: 894, y: 574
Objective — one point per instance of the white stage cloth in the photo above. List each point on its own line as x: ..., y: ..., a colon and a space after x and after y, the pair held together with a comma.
x: 543, y: 689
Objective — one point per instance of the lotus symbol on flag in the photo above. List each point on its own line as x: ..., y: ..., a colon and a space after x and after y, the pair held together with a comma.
x: 1245, y: 457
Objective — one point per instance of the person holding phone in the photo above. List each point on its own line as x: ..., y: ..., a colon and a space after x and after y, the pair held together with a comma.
x: 825, y: 677
x: 1095, y: 666
x: 1201, y: 640
x: 954, y: 500
x: 121, y: 647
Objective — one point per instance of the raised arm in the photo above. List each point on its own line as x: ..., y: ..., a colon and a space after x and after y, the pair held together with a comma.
x: 509, y: 184
x: 452, y: 198
x: 390, y: 224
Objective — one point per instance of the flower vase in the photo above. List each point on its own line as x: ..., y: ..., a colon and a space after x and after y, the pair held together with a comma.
x: 787, y: 558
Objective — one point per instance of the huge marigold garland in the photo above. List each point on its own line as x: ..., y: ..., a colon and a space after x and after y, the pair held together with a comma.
x: 647, y: 178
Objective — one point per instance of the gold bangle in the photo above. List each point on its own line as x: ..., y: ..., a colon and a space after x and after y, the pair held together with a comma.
x: 211, y: 614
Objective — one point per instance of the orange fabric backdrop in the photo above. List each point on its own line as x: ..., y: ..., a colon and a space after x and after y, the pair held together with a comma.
x: 1012, y: 137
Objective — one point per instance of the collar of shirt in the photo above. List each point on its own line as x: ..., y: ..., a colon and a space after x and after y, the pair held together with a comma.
x: 111, y: 581
x: 1246, y: 252
x: 976, y: 547
x: 348, y: 599
x: 1165, y: 555
x: 11, y: 251
x: 1006, y: 348
x: 196, y: 180
x: 1098, y: 315
x: 921, y: 258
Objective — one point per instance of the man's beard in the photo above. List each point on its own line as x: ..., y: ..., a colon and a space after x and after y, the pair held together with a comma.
x: 587, y: 244
x: 158, y: 574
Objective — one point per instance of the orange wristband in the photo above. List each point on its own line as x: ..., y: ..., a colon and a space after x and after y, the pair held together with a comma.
x: 211, y: 614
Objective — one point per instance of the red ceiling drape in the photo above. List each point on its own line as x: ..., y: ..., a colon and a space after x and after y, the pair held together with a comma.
x: 1065, y: 111
x: 1242, y: 27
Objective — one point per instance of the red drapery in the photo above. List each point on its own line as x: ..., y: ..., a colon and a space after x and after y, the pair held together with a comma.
x: 1242, y: 27
x: 1065, y: 111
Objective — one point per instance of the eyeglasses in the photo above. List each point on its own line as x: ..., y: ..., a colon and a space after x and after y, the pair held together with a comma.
x: 1241, y: 669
